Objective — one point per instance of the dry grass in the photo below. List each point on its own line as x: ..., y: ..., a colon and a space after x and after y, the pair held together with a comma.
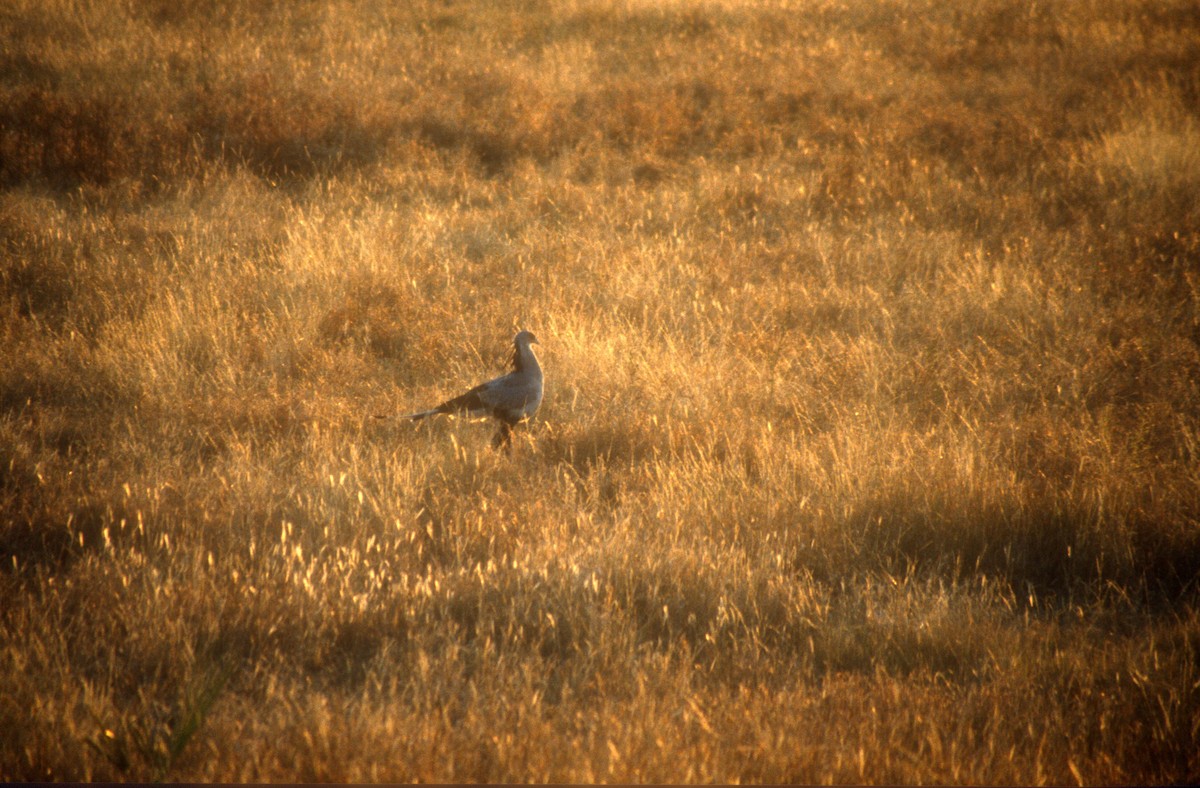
x: 870, y: 446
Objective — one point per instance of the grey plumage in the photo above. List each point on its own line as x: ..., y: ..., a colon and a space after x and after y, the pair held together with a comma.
x: 510, y: 399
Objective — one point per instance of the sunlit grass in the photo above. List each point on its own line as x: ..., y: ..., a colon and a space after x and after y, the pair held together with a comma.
x: 869, y: 447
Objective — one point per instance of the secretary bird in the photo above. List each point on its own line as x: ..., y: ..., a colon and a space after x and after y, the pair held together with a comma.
x: 510, y: 398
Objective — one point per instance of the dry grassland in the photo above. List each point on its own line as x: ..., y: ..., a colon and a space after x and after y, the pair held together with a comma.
x: 871, y: 443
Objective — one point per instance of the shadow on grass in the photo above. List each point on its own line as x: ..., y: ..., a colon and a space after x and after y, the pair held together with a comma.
x: 1047, y: 548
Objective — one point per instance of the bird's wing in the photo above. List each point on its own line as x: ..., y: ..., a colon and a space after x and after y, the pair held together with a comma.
x: 515, y: 396
x: 478, y: 401
x: 510, y: 398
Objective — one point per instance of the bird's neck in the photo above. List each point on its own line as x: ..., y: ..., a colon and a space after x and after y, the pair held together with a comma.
x: 524, y: 359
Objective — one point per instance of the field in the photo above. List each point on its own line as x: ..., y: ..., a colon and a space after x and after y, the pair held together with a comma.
x: 871, y: 442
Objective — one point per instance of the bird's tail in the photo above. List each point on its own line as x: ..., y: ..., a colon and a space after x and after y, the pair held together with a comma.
x: 410, y: 416
x: 422, y: 415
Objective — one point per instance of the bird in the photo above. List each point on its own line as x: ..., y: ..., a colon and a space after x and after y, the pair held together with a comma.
x: 510, y: 399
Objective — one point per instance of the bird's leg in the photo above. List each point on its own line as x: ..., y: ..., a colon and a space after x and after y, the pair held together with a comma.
x: 503, y: 439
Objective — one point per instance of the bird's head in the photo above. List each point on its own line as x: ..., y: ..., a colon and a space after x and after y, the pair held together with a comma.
x: 525, y: 339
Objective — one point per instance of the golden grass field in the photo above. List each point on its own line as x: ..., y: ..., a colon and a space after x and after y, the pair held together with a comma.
x: 871, y: 442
